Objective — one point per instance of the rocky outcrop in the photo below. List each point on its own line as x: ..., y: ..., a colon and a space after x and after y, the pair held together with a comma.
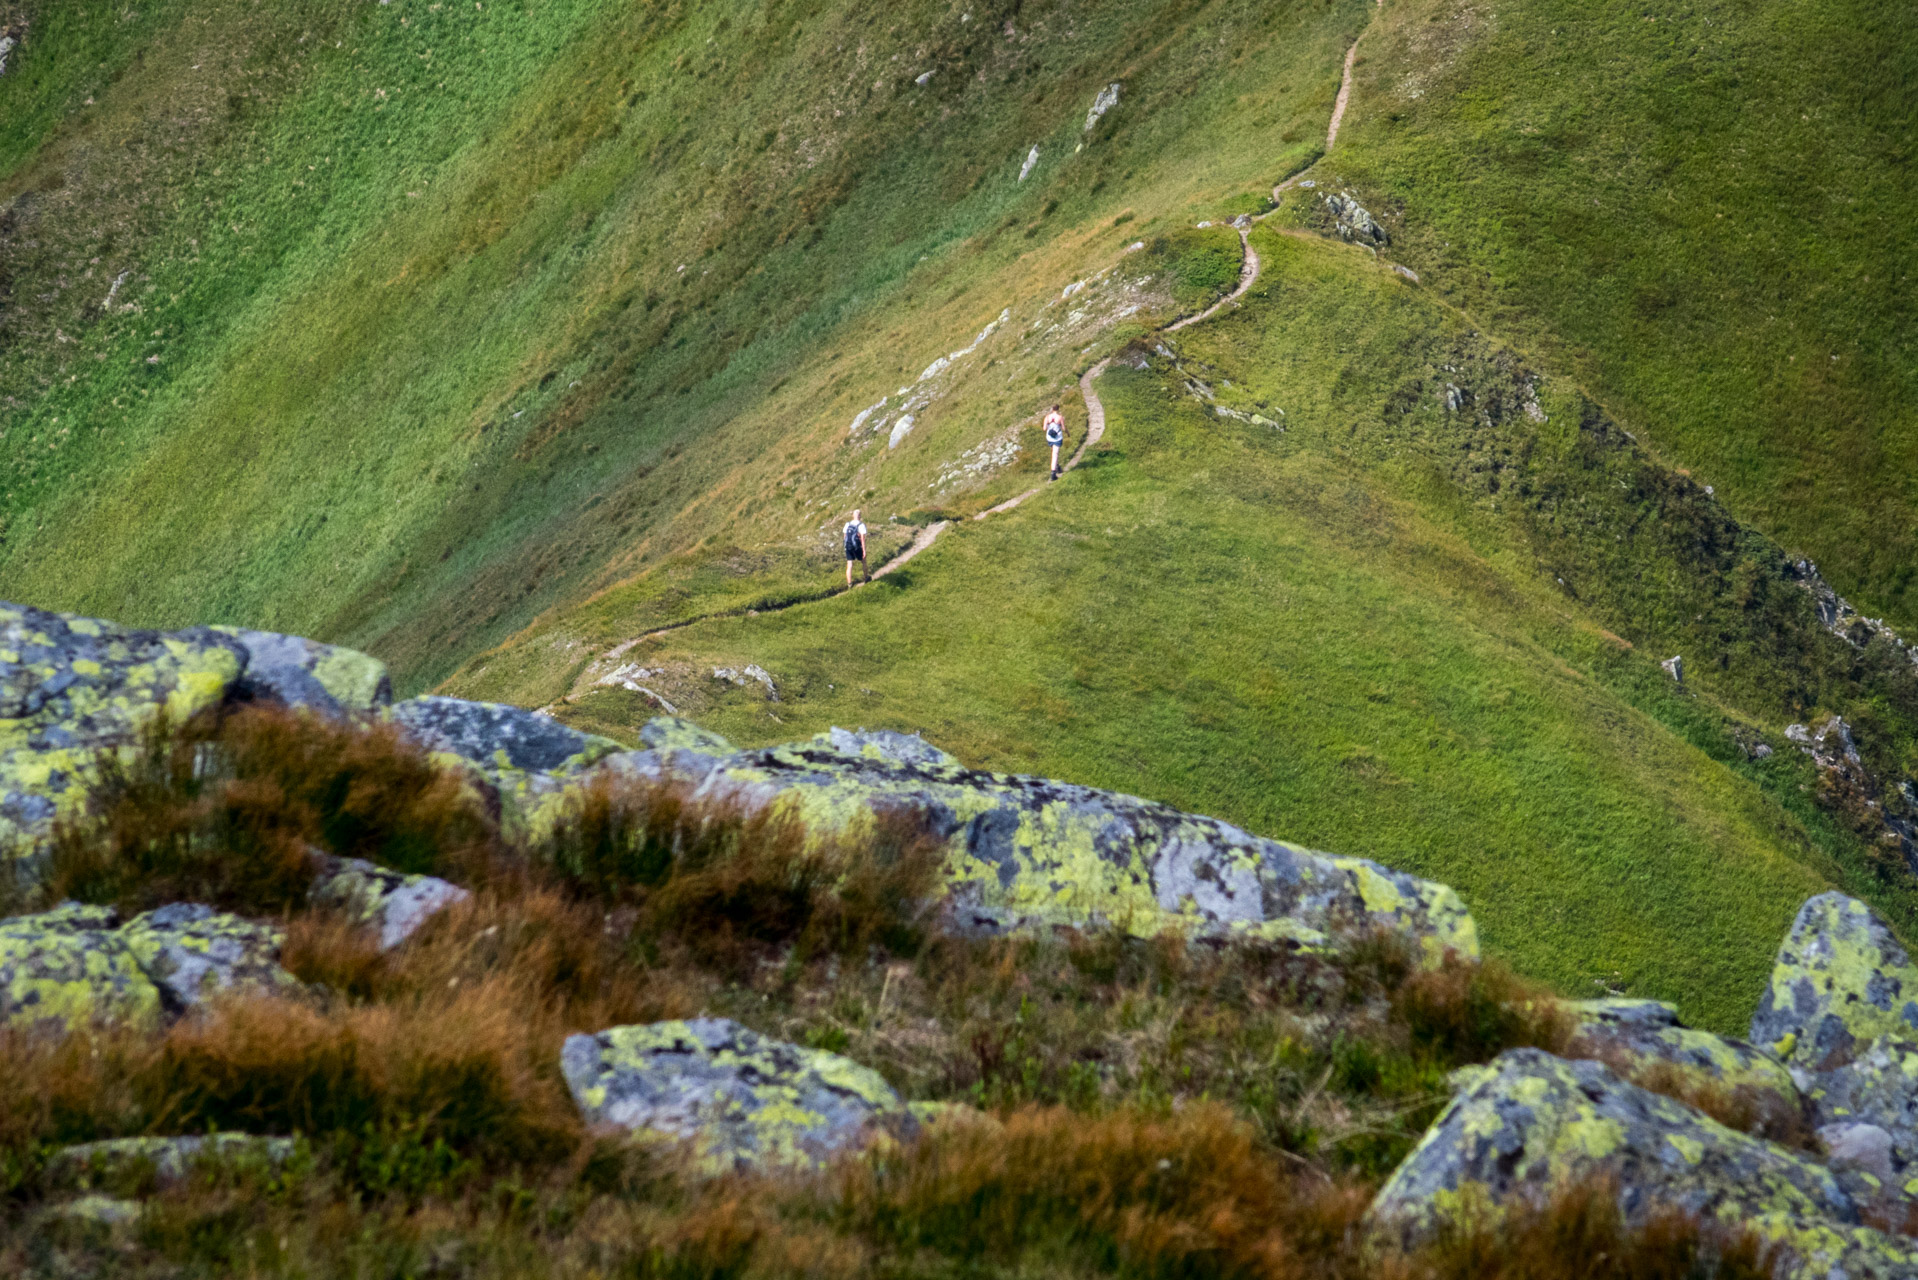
x: 297, y: 672
x: 1635, y: 1037
x: 1351, y: 221
x: 733, y: 1097
x: 70, y: 687
x: 1885, y: 818
x: 1841, y: 982
x: 71, y: 967
x: 1841, y: 1011
x: 522, y: 760
x: 191, y: 952
x: 393, y: 903
x: 1529, y: 1125
x: 1025, y: 851
x: 75, y: 966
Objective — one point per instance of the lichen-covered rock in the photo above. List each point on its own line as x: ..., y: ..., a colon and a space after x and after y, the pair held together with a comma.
x: 1024, y: 851
x: 527, y: 762
x: 670, y: 733
x: 71, y: 967
x: 735, y: 1097
x: 1625, y: 1011
x: 498, y: 737
x: 139, y: 1165
x: 1877, y: 1088
x: 1841, y: 980
x: 297, y: 672
x: 192, y: 952
x: 98, y: 1211
x: 394, y: 903
x: 70, y: 687
x: 1530, y: 1124
x: 883, y: 744
x: 1632, y: 1040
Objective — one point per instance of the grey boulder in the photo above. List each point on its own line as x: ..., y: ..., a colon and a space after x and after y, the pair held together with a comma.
x: 732, y: 1097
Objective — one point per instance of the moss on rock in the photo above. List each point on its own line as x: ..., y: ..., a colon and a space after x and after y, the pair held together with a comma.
x: 1025, y: 852
x: 394, y: 904
x: 136, y: 1166
x: 736, y: 1098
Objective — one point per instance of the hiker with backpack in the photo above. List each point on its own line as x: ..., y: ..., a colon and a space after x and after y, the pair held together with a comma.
x: 1055, y: 435
x: 856, y: 547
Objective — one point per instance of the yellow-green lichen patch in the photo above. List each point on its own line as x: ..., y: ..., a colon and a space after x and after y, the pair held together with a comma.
x: 1841, y: 980
x: 670, y: 733
x: 1531, y: 1125
x: 70, y: 968
x: 72, y: 687
x: 1030, y: 852
x: 191, y: 952
x: 1632, y: 1046
x: 734, y: 1097
x: 298, y: 672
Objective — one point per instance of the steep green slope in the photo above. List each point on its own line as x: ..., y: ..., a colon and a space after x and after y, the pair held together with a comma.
x: 1316, y: 631
x: 426, y: 314
x: 1706, y: 210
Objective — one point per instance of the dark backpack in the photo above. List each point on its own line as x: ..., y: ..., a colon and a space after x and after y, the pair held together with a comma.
x: 854, y: 551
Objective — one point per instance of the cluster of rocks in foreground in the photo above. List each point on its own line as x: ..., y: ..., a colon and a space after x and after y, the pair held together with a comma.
x: 1834, y: 1042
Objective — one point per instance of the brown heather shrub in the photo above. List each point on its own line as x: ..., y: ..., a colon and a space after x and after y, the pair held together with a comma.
x: 723, y: 885
x: 1746, y: 1108
x: 1185, y: 1194
x: 1471, y: 1011
x: 1580, y: 1235
x: 228, y: 810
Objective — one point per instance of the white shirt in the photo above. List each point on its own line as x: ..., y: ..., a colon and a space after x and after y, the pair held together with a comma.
x: 1055, y: 427
x: 855, y: 524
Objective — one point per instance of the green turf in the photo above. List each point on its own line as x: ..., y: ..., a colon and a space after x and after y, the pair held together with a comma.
x: 1704, y: 210
x: 1322, y: 640
x: 447, y: 313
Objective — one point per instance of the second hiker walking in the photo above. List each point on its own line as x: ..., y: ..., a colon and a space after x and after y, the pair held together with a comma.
x: 1055, y: 435
x: 856, y: 547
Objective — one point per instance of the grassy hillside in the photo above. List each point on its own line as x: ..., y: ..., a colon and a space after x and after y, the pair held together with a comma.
x: 430, y: 315
x: 492, y: 339
x: 1706, y: 211
x: 1311, y: 635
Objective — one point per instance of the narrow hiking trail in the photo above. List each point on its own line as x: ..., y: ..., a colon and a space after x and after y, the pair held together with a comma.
x: 596, y: 671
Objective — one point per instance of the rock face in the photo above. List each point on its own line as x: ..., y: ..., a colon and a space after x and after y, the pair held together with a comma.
x: 70, y: 967
x: 1842, y: 1012
x: 1530, y: 1124
x: 1026, y: 851
x: 73, y: 966
x: 72, y: 686
x: 737, y: 1098
x: 1352, y: 221
x: 297, y: 672
x: 1633, y: 1036
x: 524, y: 760
x: 883, y: 744
x: 1840, y: 982
x: 190, y: 952
x: 394, y: 903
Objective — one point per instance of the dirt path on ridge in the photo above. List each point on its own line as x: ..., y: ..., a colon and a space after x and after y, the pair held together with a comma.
x: 1095, y: 427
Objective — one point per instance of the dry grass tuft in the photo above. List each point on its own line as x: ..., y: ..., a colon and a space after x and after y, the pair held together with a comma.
x: 229, y: 809
x: 723, y: 885
x: 1580, y: 1235
x: 1471, y: 1011
x: 1183, y: 1194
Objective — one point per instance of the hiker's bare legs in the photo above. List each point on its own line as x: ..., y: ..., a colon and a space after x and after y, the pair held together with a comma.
x: 1055, y: 462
